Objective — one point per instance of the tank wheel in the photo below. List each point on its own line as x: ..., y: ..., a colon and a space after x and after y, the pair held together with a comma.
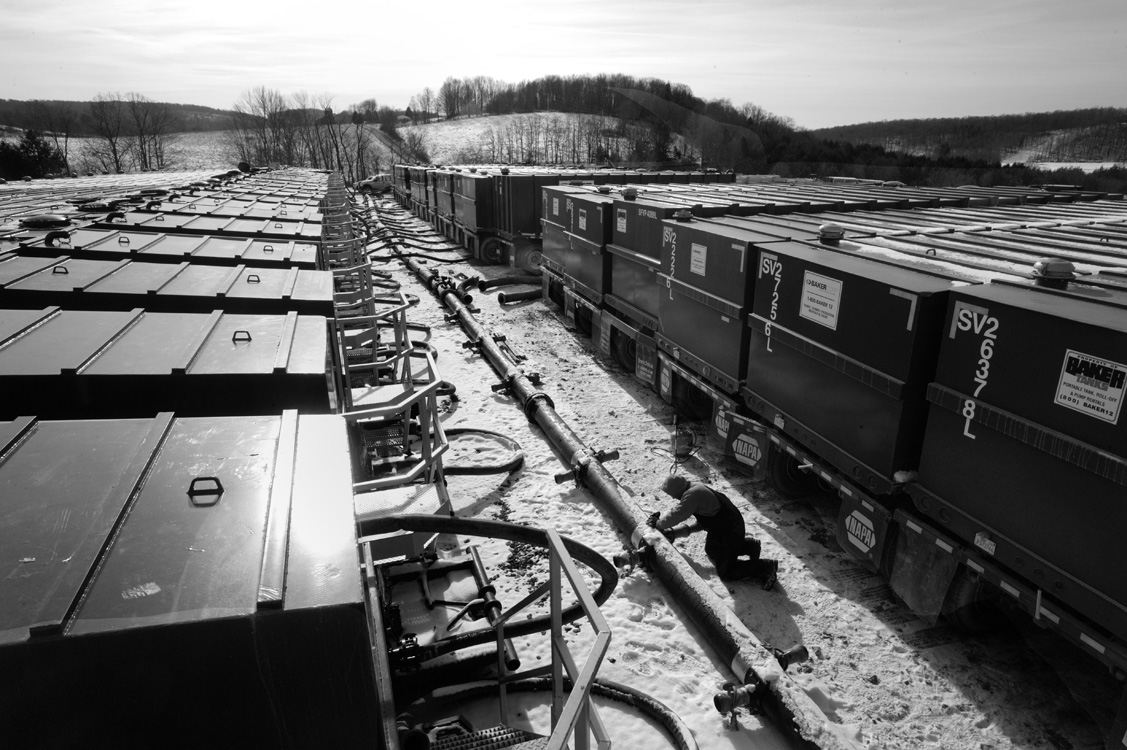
x: 690, y: 402
x: 626, y: 351
x: 969, y: 606
x: 786, y: 476
x: 583, y: 320
x: 492, y: 251
x: 528, y: 258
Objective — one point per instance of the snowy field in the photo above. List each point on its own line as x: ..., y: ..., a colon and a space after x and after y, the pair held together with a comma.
x: 884, y: 678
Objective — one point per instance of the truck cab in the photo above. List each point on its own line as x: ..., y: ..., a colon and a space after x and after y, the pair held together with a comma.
x: 377, y: 184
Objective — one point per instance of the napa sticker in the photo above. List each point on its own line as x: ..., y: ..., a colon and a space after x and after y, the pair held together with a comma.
x: 1091, y: 386
x: 859, y: 531
x: 746, y: 450
x: 821, y: 298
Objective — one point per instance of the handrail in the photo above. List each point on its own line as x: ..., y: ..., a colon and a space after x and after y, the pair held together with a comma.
x: 577, y: 716
x: 434, y: 443
x: 364, y: 331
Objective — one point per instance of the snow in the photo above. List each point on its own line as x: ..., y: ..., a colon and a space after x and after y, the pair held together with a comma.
x: 885, y: 677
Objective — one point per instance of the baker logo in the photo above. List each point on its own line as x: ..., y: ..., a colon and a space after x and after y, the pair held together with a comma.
x: 747, y: 451
x: 1094, y: 373
x: 860, y: 531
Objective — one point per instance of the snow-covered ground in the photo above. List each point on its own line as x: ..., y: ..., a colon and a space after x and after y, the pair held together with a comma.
x: 888, y: 679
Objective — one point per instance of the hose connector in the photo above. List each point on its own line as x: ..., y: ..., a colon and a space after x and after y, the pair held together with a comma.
x: 581, y: 461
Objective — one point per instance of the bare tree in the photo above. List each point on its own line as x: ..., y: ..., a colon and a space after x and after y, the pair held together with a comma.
x: 264, y: 129
x: 314, y: 146
x: 412, y: 149
x: 427, y: 101
x: 368, y: 109
x: 150, y: 130
x: 107, y: 119
x: 56, y: 121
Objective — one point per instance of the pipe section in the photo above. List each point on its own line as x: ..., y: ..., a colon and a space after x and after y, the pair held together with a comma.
x: 506, y: 297
x: 753, y: 664
x: 485, y: 284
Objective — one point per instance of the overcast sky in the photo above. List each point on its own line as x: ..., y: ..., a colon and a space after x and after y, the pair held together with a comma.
x: 819, y: 62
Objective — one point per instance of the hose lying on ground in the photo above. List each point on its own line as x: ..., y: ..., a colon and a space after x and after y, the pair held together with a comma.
x: 651, y: 707
x: 507, y: 281
x: 512, y: 464
x: 603, y: 568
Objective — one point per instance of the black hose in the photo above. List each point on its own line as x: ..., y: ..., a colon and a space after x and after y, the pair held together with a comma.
x: 477, y: 468
x: 679, y: 732
x: 508, y: 281
x: 400, y: 255
x: 603, y: 568
x: 505, y: 297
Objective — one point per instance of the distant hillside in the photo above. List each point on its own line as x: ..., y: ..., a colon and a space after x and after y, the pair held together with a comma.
x: 1085, y: 135
x: 535, y: 138
x: 38, y: 114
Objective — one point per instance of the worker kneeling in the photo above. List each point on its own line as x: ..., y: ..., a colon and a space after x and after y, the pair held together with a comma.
x: 726, y: 542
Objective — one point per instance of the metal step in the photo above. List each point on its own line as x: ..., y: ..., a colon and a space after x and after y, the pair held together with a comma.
x: 493, y: 738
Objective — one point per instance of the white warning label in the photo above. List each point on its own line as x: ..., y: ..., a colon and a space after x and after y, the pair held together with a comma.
x: 1091, y: 385
x: 821, y: 298
x: 620, y: 217
x: 582, y: 219
x: 698, y: 259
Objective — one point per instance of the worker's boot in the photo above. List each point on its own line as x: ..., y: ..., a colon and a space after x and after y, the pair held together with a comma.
x: 769, y: 573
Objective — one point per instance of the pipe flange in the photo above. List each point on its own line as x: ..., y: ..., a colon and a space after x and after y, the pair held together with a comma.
x: 532, y: 403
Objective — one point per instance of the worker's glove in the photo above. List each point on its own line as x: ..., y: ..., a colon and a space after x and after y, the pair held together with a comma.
x: 669, y: 534
x: 652, y: 520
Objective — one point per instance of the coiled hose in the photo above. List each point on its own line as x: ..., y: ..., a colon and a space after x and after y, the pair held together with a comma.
x: 477, y: 468
x: 602, y: 567
x: 679, y: 732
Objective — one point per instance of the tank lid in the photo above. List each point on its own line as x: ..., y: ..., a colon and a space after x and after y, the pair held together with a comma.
x: 630, y: 194
x: 44, y: 221
x: 1054, y: 269
x: 831, y: 233
x: 683, y: 215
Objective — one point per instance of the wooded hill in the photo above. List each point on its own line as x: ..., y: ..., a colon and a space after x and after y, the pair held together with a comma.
x: 1093, y: 135
x: 748, y: 139
x: 43, y: 114
x: 628, y: 121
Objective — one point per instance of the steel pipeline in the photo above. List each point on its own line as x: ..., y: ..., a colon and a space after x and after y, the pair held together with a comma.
x: 752, y: 663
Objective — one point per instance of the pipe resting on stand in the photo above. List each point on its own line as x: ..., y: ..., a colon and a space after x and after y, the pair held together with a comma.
x: 753, y: 664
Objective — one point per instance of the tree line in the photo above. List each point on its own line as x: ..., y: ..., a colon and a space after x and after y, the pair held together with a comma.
x: 1093, y: 134
x: 129, y: 132
x: 302, y: 129
x: 654, y: 122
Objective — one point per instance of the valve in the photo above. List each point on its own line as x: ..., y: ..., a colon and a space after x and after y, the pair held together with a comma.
x: 580, y: 464
x: 631, y: 557
x: 734, y: 696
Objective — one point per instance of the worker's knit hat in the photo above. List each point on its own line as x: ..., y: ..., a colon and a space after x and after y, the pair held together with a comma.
x: 675, y: 485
